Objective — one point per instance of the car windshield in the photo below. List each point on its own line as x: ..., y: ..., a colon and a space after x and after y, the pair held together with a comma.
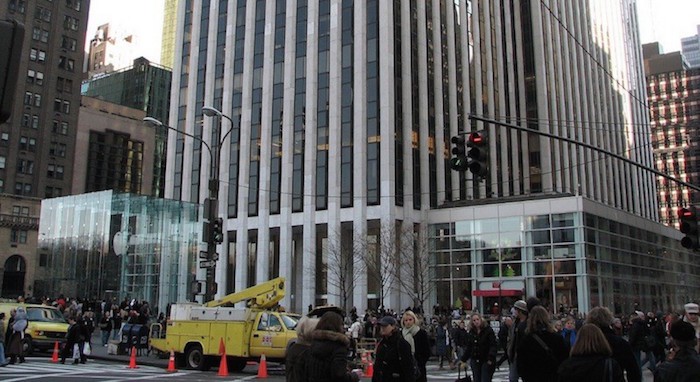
x: 290, y: 322
x: 45, y: 315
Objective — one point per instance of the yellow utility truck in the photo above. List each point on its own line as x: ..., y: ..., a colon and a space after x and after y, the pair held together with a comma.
x: 194, y: 331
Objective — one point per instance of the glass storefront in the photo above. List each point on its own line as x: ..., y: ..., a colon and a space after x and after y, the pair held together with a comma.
x: 571, y: 261
x: 115, y: 245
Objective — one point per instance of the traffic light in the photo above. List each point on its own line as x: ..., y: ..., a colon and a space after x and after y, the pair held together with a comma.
x: 10, y: 56
x: 478, y: 154
x: 689, y: 226
x: 217, y: 230
x: 459, y: 161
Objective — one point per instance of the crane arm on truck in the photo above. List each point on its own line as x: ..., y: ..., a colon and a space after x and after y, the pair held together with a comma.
x: 262, y: 296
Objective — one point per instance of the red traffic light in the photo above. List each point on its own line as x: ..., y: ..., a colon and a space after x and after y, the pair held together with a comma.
x: 476, y: 138
x: 685, y: 213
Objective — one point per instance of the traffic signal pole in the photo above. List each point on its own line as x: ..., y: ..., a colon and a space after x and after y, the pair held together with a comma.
x: 586, y: 145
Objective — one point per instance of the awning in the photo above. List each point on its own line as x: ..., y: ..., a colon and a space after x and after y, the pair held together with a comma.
x: 496, y: 292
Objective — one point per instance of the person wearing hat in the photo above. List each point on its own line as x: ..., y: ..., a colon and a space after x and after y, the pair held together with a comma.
x: 691, y: 316
x: 515, y: 333
x: 684, y: 362
x: 394, y: 361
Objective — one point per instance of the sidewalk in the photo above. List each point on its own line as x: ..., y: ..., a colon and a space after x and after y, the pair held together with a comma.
x: 99, y: 352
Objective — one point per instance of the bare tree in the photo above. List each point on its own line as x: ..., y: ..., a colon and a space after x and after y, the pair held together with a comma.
x: 381, y: 257
x: 415, y: 261
x: 341, y: 272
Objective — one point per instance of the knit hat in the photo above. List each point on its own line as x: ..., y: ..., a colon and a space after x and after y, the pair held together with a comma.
x: 682, y: 331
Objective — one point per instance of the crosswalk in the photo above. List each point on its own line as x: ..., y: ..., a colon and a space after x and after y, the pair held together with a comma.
x: 37, y: 366
x: 434, y: 374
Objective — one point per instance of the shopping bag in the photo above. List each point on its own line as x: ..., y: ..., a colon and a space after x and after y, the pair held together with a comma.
x: 86, y: 349
x: 76, y: 351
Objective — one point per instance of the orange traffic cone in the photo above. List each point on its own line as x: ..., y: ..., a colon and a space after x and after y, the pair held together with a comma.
x: 132, y: 361
x: 370, y: 370
x: 171, y: 363
x: 54, y: 358
x: 262, y: 369
x: 223, y: 366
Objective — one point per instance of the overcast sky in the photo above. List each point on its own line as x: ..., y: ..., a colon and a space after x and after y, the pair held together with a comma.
x: 666, y: 21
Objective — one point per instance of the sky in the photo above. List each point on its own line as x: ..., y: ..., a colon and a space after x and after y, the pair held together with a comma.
x: 143, y: 18
x: 665, y: 21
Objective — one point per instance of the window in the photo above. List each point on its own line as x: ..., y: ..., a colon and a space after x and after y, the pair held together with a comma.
x: 66, y: 107
x: 64, y: 85
x: 26, y: 118
x: 70, y: 23
x: 55, y: 171
x: 57, y: 149
x: 52, y: 192
x: 20, y: 210
x: 36, y: 34
x: 41, y: 57
x: 16, y: 6
x: 32, y: 54
x: 25, y: 166
x: 31, y: 75
x: 69, y: 43
x: 43, y: 260
x: 35, y: 122
x: 66, y: 63
x: 4, y: 138
x: 23, y: 189
x: 60, y: 127
x: 74, y: 4
x: 26, y: 143
x: 28, y: 98
x: 37, y: 100
x: 42, y: 13
x: 18, y: 236
x: 3, y: 160
x: 39, y: 78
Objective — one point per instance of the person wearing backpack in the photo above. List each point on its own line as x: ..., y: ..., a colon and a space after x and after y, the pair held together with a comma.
x: 542, y: 350
x: 394, y: 361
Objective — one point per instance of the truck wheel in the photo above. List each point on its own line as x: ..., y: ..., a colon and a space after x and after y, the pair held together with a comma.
x: 195, y: 358
x: 236, y: 364
x: 27, y: 347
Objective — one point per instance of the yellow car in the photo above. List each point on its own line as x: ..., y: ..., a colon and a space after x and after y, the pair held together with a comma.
x: 46, y: 326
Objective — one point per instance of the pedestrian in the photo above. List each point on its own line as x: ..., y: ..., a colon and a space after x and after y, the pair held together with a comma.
x: 541, y: 351
x: 481, y: 349
x: 295, y: 362
x: 72, y: 348
x: 355, y: 334
x: 83, y: 337
x: 105, y: 325
x: 3, y: 360
x: 327, y: 358
x: 515, y: 335
x: 569, y: 331
x: 503, y: 333
x: 459, y: 339
x: 442, y: 343
x: 684, y: 362
x: 116, y: 318
x: 393, y: 361
x: 622, y: 351
x: 691, y: 316
x: 590, y: 359
x: 639, y: 337
x: 15, y: 346
x: 418, y: 339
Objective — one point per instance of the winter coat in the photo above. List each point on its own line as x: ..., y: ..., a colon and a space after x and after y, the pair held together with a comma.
x: 684, y: 367
x: 515, y: 336
x: 295, y: 362
x: 105, y: 324
x: 327, y: 358
x: 569, y: 336
x: 586, y: 368
x: 393, y: 360
x: 460, y: 337
x: 535, y: 364
x: 441, y: 341
x: 422, y: 352
x: 637, y: 333
x: 72, y: 338
x: 14, y: 344
x: 481, y: 347
x: 622, y: 353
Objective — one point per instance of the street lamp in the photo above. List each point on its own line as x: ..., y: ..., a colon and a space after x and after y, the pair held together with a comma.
x: 214, y: 224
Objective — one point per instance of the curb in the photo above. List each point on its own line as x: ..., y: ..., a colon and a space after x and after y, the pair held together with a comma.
x: 116, y: 360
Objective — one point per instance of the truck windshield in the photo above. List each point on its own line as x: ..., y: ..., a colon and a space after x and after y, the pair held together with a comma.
x: 290, y: 322
x: 45, y: 315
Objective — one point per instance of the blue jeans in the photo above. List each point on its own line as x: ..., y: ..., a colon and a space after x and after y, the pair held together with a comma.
x: 481, y: 372
x: 3, y: 360
x: 512, y: 371
x: 105, y: 337
x: 115, y: 334
x: 649, y: 358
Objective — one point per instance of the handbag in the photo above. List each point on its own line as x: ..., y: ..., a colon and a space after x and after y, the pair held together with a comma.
x: 466, y: 378
x: 76, y: 351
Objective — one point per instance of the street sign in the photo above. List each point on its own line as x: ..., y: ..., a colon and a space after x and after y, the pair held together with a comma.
x: 207, y: 264
x: 203, y: 254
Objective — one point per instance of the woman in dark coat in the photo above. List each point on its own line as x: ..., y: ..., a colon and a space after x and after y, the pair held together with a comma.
x: 442, y: 343
x: 72, y: 338
x: 591, y: 359
x: 18, y: 324
x: 418, y: 339
x: 295, y: 362
x: 481, y: 349
x: 327, y: 358
x: 539, y: 362
x: 393, y: 362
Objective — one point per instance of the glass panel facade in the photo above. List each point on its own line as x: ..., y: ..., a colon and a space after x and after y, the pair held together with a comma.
x: 116, y: 245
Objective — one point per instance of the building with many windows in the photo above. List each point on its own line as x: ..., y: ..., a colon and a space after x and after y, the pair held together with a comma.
x: 167, y: 50
x: 336, y: 119
x: 690, y: 46
x: 673, y: 92
x: 44, y: 116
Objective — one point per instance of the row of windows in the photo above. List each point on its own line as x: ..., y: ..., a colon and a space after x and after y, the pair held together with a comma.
x: 26, y: 189
x: 26, y: 166
x: 32, y: 121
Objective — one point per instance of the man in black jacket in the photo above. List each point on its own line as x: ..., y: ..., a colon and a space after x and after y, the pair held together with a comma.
x: 622, y: 351
x: 394, y: 359
x: 685, y: 365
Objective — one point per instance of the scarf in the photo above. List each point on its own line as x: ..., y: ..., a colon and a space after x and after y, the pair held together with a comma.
x: 408, y: 334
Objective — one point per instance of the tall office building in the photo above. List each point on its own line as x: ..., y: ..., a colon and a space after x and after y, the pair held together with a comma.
x: 110, y: 49
x: 341, y: 114
x: 37, y: 142
x: 167, y: 48
x: 673, y: 92
x: 143, y: 86
x: 690, y: 46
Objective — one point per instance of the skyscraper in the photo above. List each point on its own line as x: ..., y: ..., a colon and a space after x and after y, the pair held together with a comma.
x: 690, y: 46
x: 38, y: 141
x: 341, y: 114
x: 167, y: 50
